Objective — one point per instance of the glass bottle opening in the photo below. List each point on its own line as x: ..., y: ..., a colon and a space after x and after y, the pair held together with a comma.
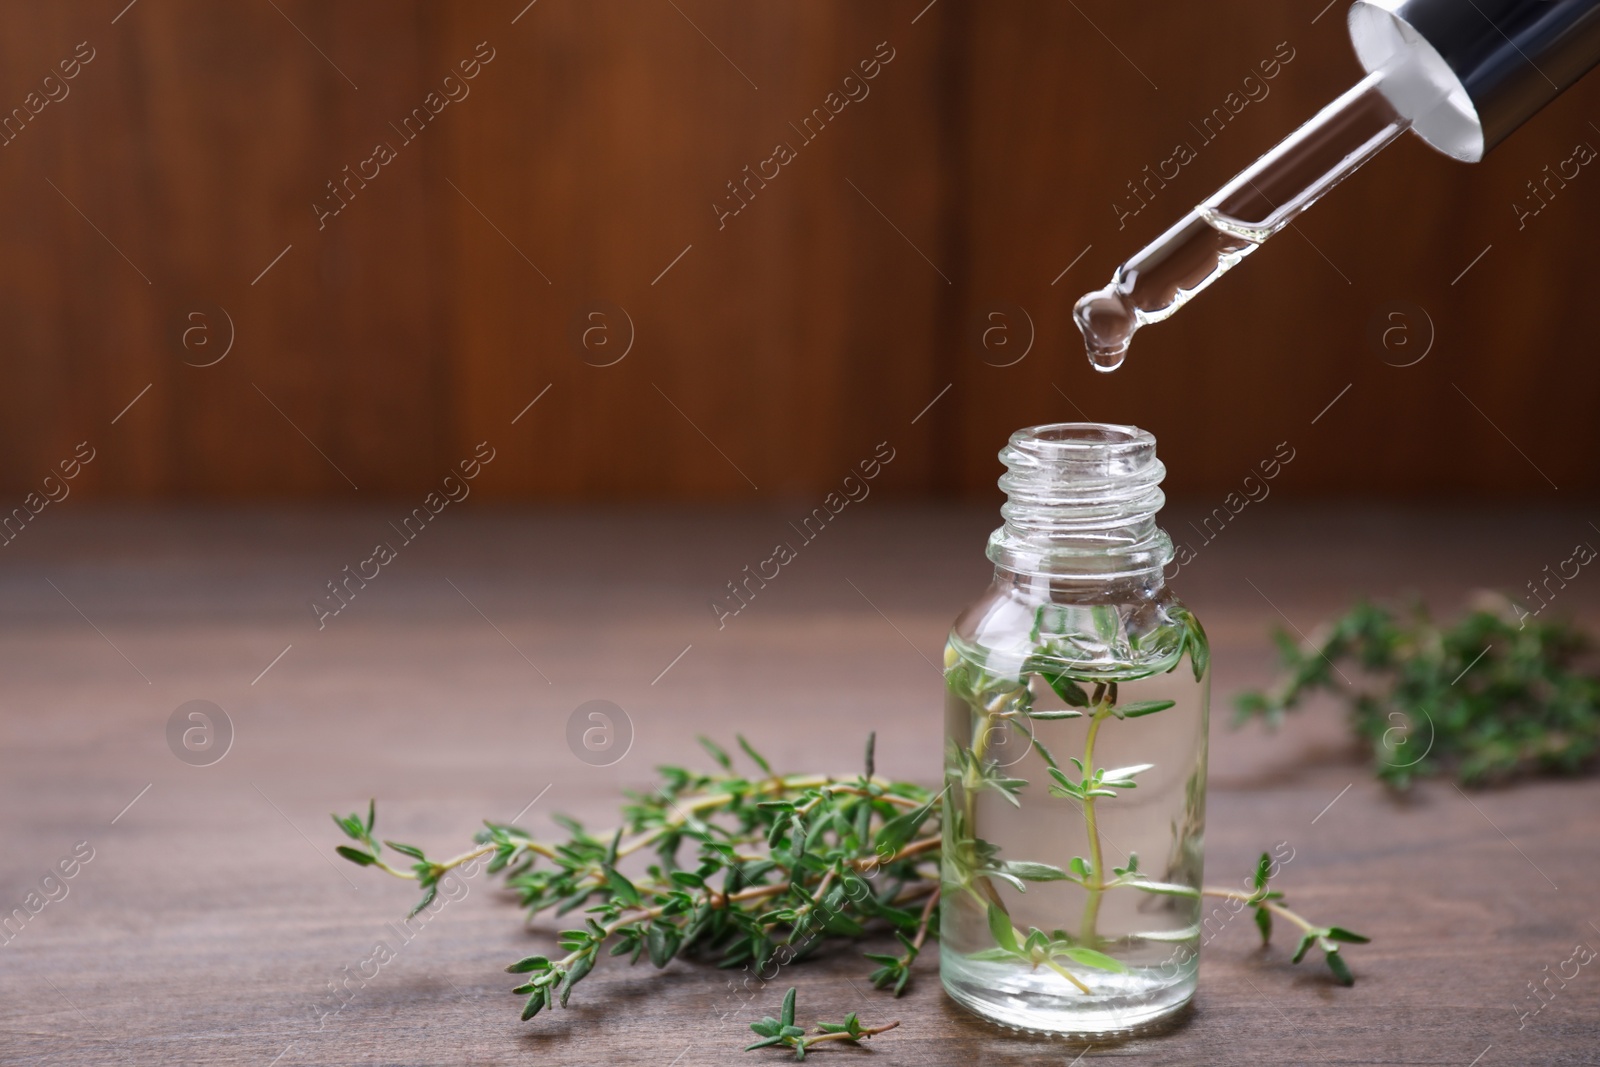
x: 1081, y: 502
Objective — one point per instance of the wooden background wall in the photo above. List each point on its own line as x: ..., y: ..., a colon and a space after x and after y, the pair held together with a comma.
x: 176, y: 177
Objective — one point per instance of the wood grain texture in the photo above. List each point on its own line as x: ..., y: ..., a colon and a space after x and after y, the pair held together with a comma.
x: 768, y: 351
x: 791, y: 336
x: 211, y: 918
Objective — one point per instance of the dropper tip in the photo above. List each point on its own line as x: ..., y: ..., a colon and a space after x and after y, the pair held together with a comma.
x: 1107, y: 324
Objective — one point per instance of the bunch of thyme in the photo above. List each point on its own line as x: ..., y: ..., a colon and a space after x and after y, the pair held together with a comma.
x: 754, y: 870
x: 745, y: 870
x: 1494, y: 695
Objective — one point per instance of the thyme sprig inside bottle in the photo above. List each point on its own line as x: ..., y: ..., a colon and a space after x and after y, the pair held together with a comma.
x: 1077, y: 693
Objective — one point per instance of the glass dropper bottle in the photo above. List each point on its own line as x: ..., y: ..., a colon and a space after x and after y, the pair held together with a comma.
x: 1461, y: 75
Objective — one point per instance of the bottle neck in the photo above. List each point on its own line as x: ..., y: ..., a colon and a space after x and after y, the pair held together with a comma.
x: 1080, y: 511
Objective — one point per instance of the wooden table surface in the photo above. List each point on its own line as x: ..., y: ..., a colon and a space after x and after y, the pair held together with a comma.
x: 211, y: 918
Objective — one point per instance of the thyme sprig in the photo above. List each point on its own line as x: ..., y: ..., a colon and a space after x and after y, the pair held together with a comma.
x: 783, y: 1031
x: 1264, y: 902
x: 1492, y: 696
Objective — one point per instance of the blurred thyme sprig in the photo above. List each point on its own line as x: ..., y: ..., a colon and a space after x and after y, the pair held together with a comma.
x: 1492, y: 696
x: 779, y: 865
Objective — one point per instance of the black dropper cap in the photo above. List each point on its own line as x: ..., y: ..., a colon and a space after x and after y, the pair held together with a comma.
x: 1494, y: 62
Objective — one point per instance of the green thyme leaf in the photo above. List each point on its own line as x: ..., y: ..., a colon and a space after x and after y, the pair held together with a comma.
x: 1001, y: 929
x: 1068, y: 690
x: 1264, y: 924
x: 529, y: 963
x: 760, y: 760
x: 1144, y: 707
x: 1034, y: 872
x: 1089, y: 957
x: 716, y: 753
x: 1340, y: 971
x: 620, y: 886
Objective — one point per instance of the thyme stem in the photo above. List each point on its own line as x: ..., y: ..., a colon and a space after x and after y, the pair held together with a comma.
x: 866, y: 1031
x: 927, y: 915
x: 1272, y: 906
x: 1091, y: 905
